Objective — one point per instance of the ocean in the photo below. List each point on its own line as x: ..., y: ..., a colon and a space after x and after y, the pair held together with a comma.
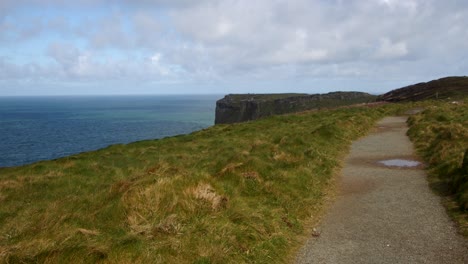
x: 44, y: 128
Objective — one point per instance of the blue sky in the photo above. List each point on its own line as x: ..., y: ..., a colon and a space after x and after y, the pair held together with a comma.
x: 57, y: 47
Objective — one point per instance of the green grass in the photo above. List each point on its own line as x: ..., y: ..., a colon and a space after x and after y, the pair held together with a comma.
x: 267, y: 97
x: 227, y: 194
x: 440, y: 134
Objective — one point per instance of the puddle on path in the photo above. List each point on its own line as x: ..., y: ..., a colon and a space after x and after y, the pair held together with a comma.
x: 402, y: 163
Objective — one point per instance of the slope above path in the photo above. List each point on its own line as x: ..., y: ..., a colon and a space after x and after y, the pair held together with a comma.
x: 385, y: 214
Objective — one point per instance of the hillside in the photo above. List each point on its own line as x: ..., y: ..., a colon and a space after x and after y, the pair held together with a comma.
x: 446, y: 88
x: 235, y: 108
x: 230, y: 193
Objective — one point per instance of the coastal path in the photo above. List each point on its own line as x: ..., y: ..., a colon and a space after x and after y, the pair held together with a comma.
x: 384, y: 211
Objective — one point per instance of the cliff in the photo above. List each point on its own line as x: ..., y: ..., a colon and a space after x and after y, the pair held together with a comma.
x: 445, y: 88
x: 235, y: 108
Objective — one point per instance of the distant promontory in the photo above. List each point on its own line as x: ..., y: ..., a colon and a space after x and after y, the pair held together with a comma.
x: 235, y: 108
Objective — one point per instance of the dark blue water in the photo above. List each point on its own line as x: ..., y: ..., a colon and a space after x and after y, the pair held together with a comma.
x: 42, y: 128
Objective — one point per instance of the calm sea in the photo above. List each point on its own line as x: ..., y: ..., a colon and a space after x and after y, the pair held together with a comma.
x: 42, y: 128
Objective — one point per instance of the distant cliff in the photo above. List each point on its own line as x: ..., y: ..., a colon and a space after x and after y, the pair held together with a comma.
x: 235, y: 108
x: 445, y: 88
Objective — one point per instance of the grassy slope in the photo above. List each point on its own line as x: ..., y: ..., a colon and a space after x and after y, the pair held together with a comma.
x: 440, y: 134
x: 226, y: 194
x: 448, y: 88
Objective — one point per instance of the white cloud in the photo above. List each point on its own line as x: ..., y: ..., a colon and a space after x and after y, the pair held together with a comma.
x: 76, y: 64
x: 223, y: 28
x: 146, y: 29
x: 409, y: 5
x: 297, y: 50
x: 389, y: 50
x: 267, y: 33
x: 157, y: 66
x: 109, y: 32
x: 206, y: 41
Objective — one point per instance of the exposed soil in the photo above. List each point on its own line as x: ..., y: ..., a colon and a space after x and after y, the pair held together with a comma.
x: 385, y: 214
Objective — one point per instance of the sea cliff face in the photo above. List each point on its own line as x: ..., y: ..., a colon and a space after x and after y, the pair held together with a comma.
x: 235, y: 108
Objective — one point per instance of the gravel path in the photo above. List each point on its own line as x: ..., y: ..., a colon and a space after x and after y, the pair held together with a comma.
x: 385, y: 214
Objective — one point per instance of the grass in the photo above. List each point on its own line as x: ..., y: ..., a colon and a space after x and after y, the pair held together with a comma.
x: 267, y: 97
x: 245, y: 107
x: 448, y: 89
x: 440, y: 134
x: 241, y: 193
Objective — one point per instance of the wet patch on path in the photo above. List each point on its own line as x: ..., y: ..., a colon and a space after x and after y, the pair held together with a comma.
x: 360, y: 186
x: 400, y: 163
x: 407, y: 162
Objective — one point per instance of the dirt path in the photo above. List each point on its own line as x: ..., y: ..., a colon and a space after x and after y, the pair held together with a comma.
x: 385, y: 214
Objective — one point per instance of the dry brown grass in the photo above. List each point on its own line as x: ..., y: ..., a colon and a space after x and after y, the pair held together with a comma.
x: 206, y: 192
x: 240, y: 193
x: 440, y: 134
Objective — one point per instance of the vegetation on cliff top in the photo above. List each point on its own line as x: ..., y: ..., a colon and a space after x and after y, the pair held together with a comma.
x: 440, y: 134
x: 226, y: 194
x: 235, y: 108
x: 451, y: 88
x: 236, y: 98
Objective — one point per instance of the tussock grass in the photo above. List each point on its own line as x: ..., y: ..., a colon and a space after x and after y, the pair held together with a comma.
x: 440, y: 134
x: 227, y: 194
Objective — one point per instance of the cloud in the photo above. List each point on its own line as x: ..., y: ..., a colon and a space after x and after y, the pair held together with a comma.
x: 409, y: 5
x: 85, y: 65
x: 239, y: 35
x: 389, y: 50
x: 210, y: 41
x: 109, y: 31
x: 155, y: 65
x: 11, y: 71
x: 147, y: 29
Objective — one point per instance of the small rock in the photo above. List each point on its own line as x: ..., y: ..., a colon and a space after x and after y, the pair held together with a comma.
x: 315, y: 233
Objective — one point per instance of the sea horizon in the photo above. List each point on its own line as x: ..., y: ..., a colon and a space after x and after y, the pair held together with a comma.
x: 37, y: 128
x: 109, y: 95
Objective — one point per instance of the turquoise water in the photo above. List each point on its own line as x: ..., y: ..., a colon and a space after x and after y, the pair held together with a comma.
x: 42, y: 128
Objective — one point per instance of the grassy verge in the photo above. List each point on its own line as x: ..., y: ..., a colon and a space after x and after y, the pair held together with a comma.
x: 227, y: 194
x: 440, y: 134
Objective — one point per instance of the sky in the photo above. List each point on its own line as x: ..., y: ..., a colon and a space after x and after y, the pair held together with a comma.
x: 59, y: 47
